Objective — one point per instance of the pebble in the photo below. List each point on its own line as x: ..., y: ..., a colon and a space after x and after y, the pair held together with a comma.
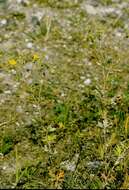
x: 29, y: 81
x: 102, y: 10
x: 28, y: 66
x: 24, y: 2
x: 39, y: 15
x: 118, y: 34
x: 90, y: 9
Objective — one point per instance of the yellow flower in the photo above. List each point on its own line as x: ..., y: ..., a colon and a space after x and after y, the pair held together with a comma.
x: 60, y: 176
x: 61, y: 125
x: 12, y: 62
x: 35, y: 57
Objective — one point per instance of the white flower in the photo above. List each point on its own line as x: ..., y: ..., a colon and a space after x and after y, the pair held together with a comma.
x: 16, y: 85
x: 87, y: 82
x: 46, y: 57
x: 34, y: 106
x: 3, y: 22
x: 13, y: 72
x: 82, y: 77
x: 63, y: 94
x: 4, y: 167
x: 89, y: 63
x: 28, y: 66
x: 29, y: 45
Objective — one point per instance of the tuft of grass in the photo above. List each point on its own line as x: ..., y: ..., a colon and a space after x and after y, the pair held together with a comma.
x: 7, y: 144
x: 57, y: 130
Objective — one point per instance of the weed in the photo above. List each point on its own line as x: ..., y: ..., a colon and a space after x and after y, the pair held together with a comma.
x: 64, y: 103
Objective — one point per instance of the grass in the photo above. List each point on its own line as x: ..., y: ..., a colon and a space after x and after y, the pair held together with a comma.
x: 56, y: 131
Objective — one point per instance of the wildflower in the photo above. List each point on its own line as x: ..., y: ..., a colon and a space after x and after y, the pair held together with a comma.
x: 4, y: 167
x: 63, y: 94
x: 87, y: 82
x: 3, y: 22
x: 29, y: 45
x: 13, y: 72
x: 12, y: 62
x: 61, y: 125
x: 35, y: 57
x: 46, y: 57
x: 60, y: 175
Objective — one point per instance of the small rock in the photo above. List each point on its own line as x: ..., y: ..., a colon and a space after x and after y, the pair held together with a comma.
x: 90, y: 9
x: 19, y: 109
x: 24, y: 2
x: 39, y: 15
x: 118, y: 34
x: 94, y: 164
x: 28, y: 66
x: 70, y: 165
x: 29, y: 81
